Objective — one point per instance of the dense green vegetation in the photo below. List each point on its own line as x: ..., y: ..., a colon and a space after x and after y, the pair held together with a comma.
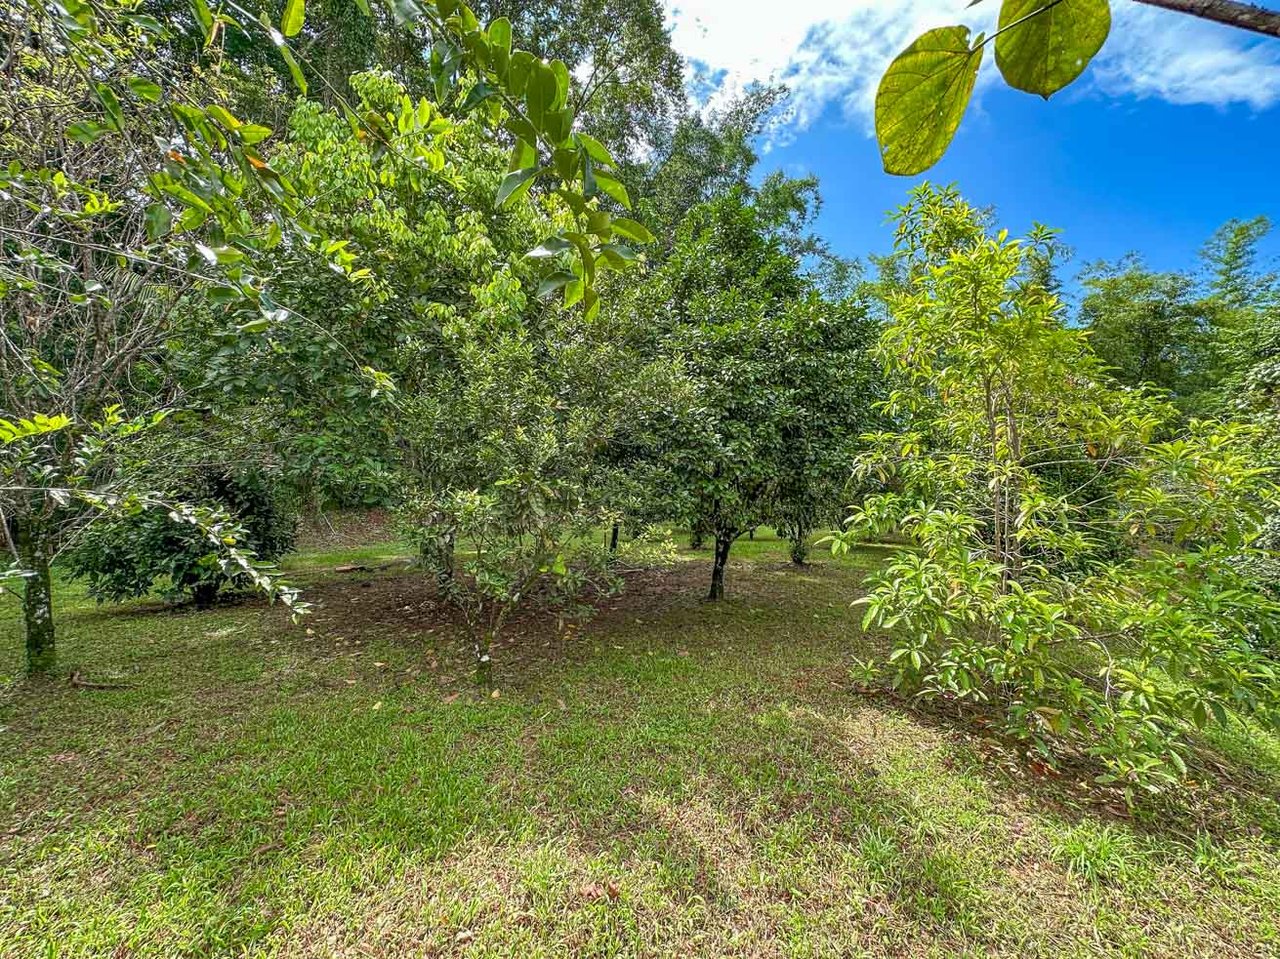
x: 974, y: 648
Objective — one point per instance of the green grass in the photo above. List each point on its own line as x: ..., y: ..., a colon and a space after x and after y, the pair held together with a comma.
x: 675, y: 779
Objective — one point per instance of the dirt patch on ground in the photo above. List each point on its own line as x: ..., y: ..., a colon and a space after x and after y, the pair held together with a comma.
x: 403, y: 606
x: 349, y: 529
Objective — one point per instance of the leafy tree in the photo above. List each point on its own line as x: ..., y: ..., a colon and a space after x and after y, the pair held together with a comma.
x: 124, y: 201
x: 1041, y: 46
x: 140, y: 214
x: 772, y: 400
x: 628, y: 81
x: 1151, y: 329
x: 823, y: 350
x: 1015, y: 593
x: 503, y: 444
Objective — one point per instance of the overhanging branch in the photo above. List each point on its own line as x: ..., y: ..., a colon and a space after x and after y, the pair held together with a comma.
x: 1245, y: 16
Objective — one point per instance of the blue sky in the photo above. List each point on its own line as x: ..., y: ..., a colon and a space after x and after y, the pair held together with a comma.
x: 1174, y: 129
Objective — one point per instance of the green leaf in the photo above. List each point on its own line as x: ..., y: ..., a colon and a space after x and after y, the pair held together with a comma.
x: 632, y: 230
x: 561, y: 74
x: 252, y: 133
x: 500, y: 45
x: 617, y: 255
x: 86, y: 131
x: 612, y: 187
x: 159, y: 221
x: 540, y: 94
x: 573, y: 293
x: 1051, y: 44
x: 145, y: 89
x: 516, y: 184
x: 595, y: 149
x: 477, y: 95
x: 224, y: 117
x: 296, y: 71
x: 203, y: 17
x: 922, y: 98
x: 522, y: 156
x: 278, y: 39
x: 552, y: 246
x: 38, y: 425
x: 294, y: 13
x: 556, y: 281
x: 115, y: 117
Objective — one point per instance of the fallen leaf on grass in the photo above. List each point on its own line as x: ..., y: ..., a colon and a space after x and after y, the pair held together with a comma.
x: 595, y: 891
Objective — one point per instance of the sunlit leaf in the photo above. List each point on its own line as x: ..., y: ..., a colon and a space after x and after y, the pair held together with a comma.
x: 922, y: 98
x: 294, y: 13
x: 1051, y: 43
x: 516, y: 184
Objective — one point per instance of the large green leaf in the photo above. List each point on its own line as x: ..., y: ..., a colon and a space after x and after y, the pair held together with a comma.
x: 516, y: 184
x: 632, y: 230
x: 1051, y: 43
x: 923, y: 96
x: 294, y: 14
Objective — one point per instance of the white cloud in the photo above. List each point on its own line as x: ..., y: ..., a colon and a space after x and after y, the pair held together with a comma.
x: 831, y: 53
x: 1156, y: 53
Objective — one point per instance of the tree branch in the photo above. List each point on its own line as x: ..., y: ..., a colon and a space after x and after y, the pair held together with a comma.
x: 1245, y: 16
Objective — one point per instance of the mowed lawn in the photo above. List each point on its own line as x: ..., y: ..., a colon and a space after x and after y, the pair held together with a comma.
x: 675, y: 778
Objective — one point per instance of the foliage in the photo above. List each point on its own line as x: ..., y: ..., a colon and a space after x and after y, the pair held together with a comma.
x: 504, y: 442
x: 1152, y: 329
x: 136, y: 550
x: 1090, y: 583
x: 142, y: 220
x: 518, y: 540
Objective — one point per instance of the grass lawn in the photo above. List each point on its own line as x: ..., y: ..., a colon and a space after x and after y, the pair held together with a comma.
x: 676, y: 778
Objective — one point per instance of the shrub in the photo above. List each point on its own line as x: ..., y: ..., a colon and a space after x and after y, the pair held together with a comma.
x: 144, y: 549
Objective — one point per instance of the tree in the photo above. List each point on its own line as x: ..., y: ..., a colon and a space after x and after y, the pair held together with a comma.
x: 123, y: 204
x: 823, y: 349
x: 139, y: 213
x: 131, y: 552
x: 503, y: 445
x: 731, y: 304
x: 1151, y: 329
x: 1041, y: 46
x: 1092, y: 584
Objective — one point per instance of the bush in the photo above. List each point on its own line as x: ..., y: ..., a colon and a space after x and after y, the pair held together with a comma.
x: 145, y: 549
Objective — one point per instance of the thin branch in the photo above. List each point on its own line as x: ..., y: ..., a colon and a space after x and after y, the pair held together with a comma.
x: 1243, y: 16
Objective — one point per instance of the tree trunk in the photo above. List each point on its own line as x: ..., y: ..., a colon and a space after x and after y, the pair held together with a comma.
x: 613, y: 539
x: 799, y: 545
x: 204, y: 594
x: 724, y: 541
x: 484, y: 662
x: 37, y: 598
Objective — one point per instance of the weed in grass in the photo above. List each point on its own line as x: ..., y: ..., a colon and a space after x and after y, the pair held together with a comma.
x: 1097, y: 854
